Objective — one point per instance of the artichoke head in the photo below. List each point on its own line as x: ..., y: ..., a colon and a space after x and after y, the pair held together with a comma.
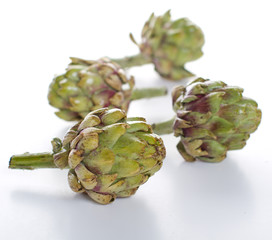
x: 212, y: 118
x: 108, y: 155
x: 84, y: 88
x: 170, y: 44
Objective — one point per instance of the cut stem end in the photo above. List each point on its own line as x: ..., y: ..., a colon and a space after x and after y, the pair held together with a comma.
x: 32, y: 161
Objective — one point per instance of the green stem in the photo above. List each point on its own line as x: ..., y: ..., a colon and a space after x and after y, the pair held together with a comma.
x: 163, y: 127
x: 132, y: 61
x: 148, y: 93
x: 32, y: 161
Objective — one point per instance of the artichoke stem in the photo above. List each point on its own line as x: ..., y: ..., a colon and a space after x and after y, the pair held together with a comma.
x: 148, y: 93
x: 163, y: 127
x: 32, y: 161
x: 132, y: 61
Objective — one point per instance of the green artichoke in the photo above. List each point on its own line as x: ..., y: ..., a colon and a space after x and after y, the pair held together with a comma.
x: 168, y: 45
x: 211, y: 119
x: 92, y: 85
x: 108, y: 155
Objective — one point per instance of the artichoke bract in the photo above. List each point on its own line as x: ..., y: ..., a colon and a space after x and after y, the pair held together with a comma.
x: 211, y: 118
x: 96, y: 84
x: 108, y: 155
x: 169, y: 45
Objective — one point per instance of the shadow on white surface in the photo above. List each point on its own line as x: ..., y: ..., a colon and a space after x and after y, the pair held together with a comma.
x: 213, y: 194
x: 81, y: 218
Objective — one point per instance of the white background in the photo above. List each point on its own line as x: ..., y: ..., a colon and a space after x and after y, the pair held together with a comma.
x: 228, y: 200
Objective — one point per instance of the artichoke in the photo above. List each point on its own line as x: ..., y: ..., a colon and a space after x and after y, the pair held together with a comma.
x: 96, y: 84
x: 108, y: 155
x: 168, y: 45
x: 211, y: 118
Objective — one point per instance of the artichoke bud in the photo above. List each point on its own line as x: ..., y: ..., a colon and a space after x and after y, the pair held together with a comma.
x: 56, y: 145
x: 109, y: 155
x: 92, y: 85
x: 211, y: 119
x: 170, y: 44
